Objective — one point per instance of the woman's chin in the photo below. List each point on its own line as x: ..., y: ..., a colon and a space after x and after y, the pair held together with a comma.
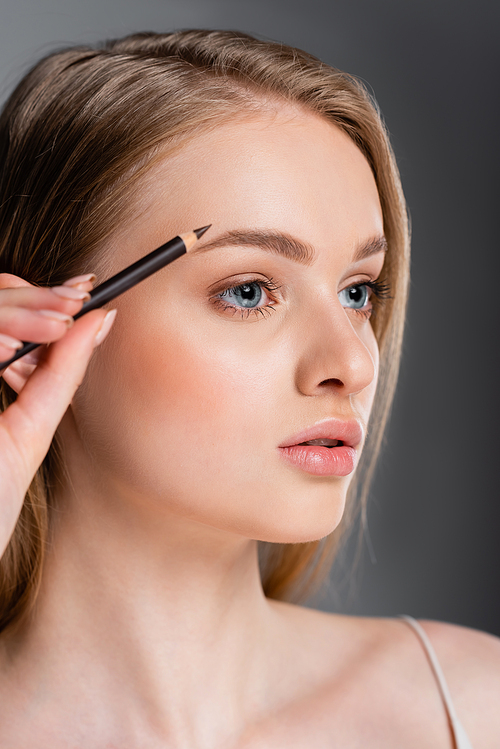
x: 296, y: 518
x: 301, y: 529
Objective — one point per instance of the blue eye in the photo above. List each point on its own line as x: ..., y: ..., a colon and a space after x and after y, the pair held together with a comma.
x: 252, y: 298
x: 355, y: 297
x: 246, y: 295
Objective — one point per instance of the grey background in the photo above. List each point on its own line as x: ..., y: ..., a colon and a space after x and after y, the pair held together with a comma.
x: 432, y: 547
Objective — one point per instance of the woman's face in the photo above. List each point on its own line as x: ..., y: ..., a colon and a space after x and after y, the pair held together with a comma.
x: 231, y: 352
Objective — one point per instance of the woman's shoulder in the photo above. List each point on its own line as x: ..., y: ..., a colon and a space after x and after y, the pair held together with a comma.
x: 470, y: 661
x: 455, y: 639
x: 380, y: 668
x: 465, y: 651
x: 465, y: 654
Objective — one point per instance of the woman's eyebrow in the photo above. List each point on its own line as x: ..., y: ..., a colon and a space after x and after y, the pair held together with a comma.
x: 285, y: 245
x: 370, y: 247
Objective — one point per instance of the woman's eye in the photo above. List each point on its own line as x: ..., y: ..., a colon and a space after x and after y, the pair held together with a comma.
x: 249, y: 298
x: 246, y: 295
x: 355, y: 297
x: 366, y: 298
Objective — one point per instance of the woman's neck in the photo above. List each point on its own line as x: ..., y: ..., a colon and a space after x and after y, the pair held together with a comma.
x: 146, y: 619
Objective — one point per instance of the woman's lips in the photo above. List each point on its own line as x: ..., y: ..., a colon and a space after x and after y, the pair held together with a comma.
x: 320, y: 460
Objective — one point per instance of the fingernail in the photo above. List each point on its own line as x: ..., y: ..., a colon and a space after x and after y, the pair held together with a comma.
x: 88, y: 277
x: 105, y: 327
x: 9, y: 342
x: 52, y: 314
x: 66, y: 292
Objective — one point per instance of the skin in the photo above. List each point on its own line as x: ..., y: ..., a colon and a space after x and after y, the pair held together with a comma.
x: 151, y: 627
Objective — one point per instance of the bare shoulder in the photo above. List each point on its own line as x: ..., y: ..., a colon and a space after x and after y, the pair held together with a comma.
x: 468, y: 652
x: 378, y: 668
x: 470, y: 660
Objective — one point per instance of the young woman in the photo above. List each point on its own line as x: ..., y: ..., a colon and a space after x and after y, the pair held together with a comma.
x: 163, y: 498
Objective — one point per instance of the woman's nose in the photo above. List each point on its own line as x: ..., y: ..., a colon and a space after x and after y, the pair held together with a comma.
x: 337, y: 353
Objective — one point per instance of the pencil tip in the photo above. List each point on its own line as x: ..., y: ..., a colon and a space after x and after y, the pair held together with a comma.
x: 200, y: 232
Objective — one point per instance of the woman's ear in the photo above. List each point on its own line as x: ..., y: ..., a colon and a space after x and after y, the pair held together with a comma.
x: 18, y: 373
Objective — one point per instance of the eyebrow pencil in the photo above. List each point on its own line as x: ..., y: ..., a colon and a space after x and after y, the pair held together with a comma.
x: 126, y: 278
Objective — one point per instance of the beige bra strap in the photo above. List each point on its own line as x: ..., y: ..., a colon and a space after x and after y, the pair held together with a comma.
x: 461, y: 738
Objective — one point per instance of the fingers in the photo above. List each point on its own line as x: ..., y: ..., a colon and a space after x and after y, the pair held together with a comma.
x: 46, y: 379
x: 81, y: 282
x: 32, y: 419
x: 17, y: 374
x: 40, y: 326
x: 41, y: 315
x: 37, y: 297
x: 9, y: 281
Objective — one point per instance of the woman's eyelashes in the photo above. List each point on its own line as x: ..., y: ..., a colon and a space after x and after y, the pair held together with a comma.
x: 256, y: 297
x: 253, y: 297
x: 365, y: 298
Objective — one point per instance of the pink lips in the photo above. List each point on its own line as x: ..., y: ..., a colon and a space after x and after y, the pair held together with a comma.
x: 319, y: 460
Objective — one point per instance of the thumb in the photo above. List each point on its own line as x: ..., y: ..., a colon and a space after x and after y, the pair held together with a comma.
x: 33, y: 418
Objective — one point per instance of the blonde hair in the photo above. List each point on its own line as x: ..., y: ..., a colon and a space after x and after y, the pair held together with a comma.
x: 81, y: 127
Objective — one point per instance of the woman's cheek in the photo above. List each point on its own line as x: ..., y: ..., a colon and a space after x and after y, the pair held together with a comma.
x: 181, y: 394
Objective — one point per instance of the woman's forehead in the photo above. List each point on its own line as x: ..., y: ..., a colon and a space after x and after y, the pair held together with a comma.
x: 299, y: 174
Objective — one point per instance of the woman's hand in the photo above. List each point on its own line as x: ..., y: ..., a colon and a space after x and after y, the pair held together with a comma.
x: 45, y: 379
